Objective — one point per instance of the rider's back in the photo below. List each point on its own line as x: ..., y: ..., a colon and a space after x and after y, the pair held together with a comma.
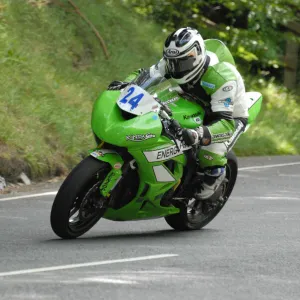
x: 221, y: 75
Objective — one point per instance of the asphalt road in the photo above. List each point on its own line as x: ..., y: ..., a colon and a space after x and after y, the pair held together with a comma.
x: 250, y: 251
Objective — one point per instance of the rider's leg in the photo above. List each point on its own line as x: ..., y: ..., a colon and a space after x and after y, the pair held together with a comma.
x: 213, y: 159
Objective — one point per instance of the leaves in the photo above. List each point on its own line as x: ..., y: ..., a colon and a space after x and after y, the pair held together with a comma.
x: 254, y: 30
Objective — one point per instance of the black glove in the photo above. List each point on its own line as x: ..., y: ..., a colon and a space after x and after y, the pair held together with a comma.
x: 117, y: 85
x: 191, y: 136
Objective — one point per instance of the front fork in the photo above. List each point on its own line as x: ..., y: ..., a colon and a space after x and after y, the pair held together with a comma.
x: 115, y: 175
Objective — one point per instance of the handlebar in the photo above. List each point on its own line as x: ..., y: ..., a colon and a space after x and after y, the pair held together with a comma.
x: 164, y: 108
x: 171, y: 126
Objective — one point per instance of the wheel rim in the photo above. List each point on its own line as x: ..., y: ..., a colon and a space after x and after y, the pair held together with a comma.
x: 87, y: 207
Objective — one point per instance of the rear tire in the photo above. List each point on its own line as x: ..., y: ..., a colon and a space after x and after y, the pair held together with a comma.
x: 75, y: 196
x: 182, y: 220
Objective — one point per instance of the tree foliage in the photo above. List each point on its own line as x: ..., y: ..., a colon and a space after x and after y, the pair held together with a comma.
x: 254, y: 30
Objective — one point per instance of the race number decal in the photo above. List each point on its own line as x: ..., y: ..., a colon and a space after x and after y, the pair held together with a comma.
x: 137, y: 101
x: 134, y: 101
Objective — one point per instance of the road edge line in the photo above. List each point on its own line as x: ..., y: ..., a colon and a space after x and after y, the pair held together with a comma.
x: 83, y: 265
x: 268, y: 166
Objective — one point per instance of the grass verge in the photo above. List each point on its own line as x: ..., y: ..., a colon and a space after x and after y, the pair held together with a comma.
x: 277, y: 129
x: 52, y: 68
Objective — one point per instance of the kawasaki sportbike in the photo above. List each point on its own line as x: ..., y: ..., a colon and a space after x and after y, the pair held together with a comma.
x: 140, y: 170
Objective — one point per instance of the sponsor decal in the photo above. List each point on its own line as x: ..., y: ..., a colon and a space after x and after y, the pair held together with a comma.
x: 106, y: 182
x: 97, y: 153
x: 186, y: 117
x: 227, y: 102
x: 208, y: 157
x: 140, y: 137
x: 101, y: 152
x: 208, y: 85
x: 172, y: 52
x: 198, y: 120
x: 222, y: 135
x: 171, y: 100
x: 227, y: 88
x: 166, y: 153
x: 117, y: 166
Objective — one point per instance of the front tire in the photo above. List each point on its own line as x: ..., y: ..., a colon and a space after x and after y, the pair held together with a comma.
x: 183, y: 220
x: 78, y: 205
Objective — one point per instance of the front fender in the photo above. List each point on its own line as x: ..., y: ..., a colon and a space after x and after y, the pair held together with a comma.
x: 110, y: 156
x: 113, y: 177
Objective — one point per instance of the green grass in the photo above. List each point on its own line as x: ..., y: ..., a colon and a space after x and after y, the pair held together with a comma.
x: 277, y: 130
x: 52, y: 68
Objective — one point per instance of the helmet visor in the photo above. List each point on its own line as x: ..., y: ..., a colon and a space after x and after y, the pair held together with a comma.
x: 179, y: 67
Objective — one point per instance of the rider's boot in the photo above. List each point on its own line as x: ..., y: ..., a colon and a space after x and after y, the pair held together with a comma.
x: 213, y: 178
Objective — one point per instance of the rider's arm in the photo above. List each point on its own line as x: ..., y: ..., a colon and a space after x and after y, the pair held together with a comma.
x: 158, y: 70
x: 221, y: 121
x: 221, y: 84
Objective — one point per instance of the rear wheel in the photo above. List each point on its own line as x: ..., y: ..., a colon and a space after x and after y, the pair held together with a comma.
x: 78, y: 204
x: 195, y: 215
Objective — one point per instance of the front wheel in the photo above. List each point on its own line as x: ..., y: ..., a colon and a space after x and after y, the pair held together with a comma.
x: 78, y: 204
x: 189, y: 218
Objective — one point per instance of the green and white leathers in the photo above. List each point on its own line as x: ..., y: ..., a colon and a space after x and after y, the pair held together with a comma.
x: 222, y: 91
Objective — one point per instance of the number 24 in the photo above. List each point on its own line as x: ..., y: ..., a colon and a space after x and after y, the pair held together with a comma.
x: 134, y: 102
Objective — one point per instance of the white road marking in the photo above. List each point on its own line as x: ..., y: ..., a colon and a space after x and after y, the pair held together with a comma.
x: 281, y: 212
x: 32, y: 296
x: 108, y: 280
x: 267, y: 198
x: 83, y: 265
x: 29, y: 196
x: 55, y: 192
x: 10, y: 217
x: 277, y: 198
x: 268, y: 166
x: 289, y: 175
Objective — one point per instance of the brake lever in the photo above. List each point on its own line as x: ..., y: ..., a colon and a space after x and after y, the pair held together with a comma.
x: 167, y: 124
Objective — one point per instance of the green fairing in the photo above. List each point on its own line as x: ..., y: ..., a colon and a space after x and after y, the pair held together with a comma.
x: 254, y: 110
x: 110, y: 126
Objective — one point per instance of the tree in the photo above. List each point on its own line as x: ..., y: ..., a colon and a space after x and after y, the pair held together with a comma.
x: 254, y: 30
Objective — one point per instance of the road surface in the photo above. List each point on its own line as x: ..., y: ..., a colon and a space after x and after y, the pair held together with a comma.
x: 250, y: 251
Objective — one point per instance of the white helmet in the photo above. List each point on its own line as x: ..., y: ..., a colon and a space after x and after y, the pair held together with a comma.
x: 185, y: 54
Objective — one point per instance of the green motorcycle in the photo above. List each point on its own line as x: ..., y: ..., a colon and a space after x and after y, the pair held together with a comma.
x: 140, y: 170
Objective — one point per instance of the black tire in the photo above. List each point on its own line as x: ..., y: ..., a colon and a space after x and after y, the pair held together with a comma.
x: 181, y: 221
x: 79, y: 184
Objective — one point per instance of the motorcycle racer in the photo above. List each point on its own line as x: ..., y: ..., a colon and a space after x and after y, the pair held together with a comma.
x: 205, y: 71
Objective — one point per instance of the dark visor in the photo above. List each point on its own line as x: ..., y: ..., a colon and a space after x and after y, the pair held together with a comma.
x: 179, y: 67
